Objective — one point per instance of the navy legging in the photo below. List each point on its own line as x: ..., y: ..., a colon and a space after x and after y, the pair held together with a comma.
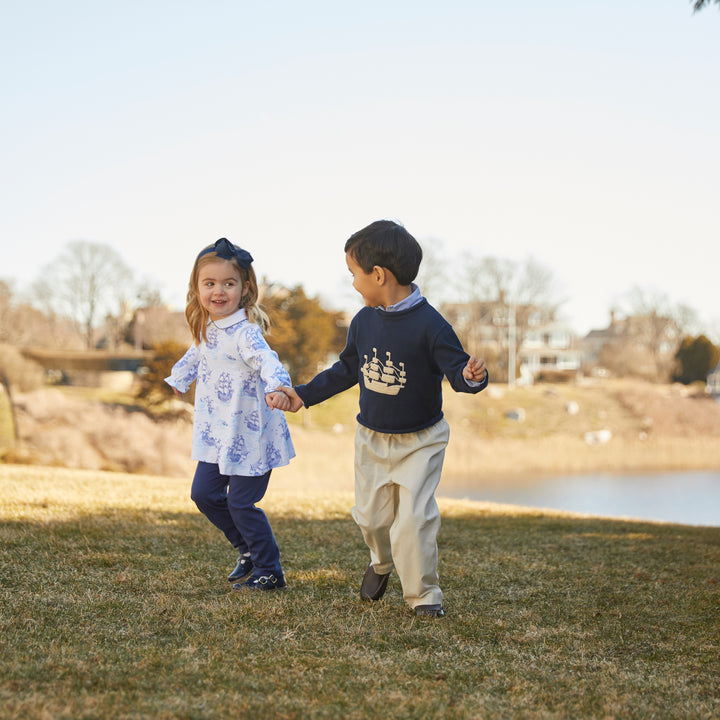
x: 228, y: 502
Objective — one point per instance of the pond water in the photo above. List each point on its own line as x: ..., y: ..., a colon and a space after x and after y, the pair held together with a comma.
x: 690, y: 498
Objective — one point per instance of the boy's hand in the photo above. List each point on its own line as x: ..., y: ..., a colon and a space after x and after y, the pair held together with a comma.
x: 294, y: 401
x: 277, y: 400
x: 475, y: 370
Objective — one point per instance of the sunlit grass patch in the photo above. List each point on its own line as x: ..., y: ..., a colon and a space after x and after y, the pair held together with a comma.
x: 114, y: 603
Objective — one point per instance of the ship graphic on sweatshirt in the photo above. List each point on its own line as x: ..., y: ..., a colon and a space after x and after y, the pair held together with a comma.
x: 386, y: 378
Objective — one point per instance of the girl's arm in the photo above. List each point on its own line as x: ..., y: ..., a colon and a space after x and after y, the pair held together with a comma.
x: 184, y: 372
x: 255, y: 351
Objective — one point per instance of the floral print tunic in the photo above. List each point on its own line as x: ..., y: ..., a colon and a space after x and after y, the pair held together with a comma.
x: 233, y: 426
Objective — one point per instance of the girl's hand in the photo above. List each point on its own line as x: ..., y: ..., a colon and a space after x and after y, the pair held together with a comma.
x: 475, y: 370
x: 278, y: 400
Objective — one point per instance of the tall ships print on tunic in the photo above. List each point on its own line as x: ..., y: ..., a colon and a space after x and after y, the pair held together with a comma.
x: 386, y: 378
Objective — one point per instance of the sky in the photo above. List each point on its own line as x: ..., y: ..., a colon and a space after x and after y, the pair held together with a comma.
x: 585, y: 136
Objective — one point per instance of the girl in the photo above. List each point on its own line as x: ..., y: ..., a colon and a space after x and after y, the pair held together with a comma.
x: 237, y: 438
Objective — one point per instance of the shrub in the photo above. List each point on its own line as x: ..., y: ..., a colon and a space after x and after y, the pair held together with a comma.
x: 695, y: 358
x: 152, y: 387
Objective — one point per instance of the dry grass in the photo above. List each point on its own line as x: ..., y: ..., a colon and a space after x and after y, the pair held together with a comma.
x: 113, y: 603
x: 7, y: 429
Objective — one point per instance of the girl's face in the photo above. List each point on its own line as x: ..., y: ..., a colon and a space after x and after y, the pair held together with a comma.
x: 220, y: 288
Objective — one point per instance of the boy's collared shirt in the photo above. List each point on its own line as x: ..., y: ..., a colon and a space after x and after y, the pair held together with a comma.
x: 406, y: 303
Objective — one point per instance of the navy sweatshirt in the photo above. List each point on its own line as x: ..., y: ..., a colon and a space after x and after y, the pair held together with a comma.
x: 399, y: 359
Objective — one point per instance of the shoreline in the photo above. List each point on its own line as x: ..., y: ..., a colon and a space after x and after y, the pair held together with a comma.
x: 324, y: 459
x: 499, y: 496
x: 686, y: 497
x: 558, y: 455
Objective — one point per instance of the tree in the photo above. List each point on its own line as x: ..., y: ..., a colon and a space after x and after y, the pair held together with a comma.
x: 694, y: 359
x: 700, y: 4
x: 152, y: 387
x: 302, y: 332
x: 501, y: 300
x: 16, y: 373
x: 654, y: 326
x: 432, y: 276
x: 23, y: 325
x: 89, y: 282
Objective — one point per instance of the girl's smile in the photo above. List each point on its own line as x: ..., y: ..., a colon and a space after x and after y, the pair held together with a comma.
x: 220, y: 288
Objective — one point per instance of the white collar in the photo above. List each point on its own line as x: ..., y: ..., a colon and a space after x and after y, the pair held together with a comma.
x: 230, y: 320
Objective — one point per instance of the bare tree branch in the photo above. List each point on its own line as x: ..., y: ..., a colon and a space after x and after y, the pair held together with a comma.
x: 700, y: 4
x: 89, y: 281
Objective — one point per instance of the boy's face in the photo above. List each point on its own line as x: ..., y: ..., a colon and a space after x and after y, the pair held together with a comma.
x: 365, y: 283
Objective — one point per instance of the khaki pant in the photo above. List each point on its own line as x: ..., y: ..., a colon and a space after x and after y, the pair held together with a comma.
x: 395, y: 481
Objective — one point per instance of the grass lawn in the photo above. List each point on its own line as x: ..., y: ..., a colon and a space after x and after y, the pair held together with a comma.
x: 114, y: 604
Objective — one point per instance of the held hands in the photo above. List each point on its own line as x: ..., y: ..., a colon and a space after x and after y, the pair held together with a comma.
x: 475, y: 370
x: 277, y: 400
x: 295, y: 402
x: 284, y: 398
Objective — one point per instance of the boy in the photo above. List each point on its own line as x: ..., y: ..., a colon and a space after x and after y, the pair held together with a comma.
x: 398, y: 348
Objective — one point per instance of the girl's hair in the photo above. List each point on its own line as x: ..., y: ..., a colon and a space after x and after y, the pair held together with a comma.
x: 197, y: 316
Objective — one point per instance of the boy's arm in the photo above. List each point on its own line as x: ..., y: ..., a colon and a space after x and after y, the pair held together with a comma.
x: 341, y: 376
x: 324, y: 385
x: 475, y: 370
x: 464, y: 373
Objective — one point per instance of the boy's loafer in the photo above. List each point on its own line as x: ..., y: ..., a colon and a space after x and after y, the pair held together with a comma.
x: 243, y: 568
x: 373, y: 585
x: 262, y: 582
x: 435, y: 611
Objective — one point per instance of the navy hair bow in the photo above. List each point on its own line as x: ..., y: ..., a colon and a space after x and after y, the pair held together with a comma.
x: 224, y: 249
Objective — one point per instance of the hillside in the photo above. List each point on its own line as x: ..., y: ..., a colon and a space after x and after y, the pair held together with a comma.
x: 611, y: 425
x: 637, y: 426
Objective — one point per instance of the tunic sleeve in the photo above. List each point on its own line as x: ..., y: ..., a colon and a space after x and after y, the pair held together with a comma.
x: 185, y: 370
x: 255, y: 351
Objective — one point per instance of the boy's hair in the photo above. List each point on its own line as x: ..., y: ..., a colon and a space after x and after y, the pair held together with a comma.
x: 388, y: 245
x: 197, y: 316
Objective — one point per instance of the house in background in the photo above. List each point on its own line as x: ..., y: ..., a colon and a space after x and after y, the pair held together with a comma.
x: 90, y: 368
x: 521, y: 342
x: 547, y: 352
x: 640, y: 345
